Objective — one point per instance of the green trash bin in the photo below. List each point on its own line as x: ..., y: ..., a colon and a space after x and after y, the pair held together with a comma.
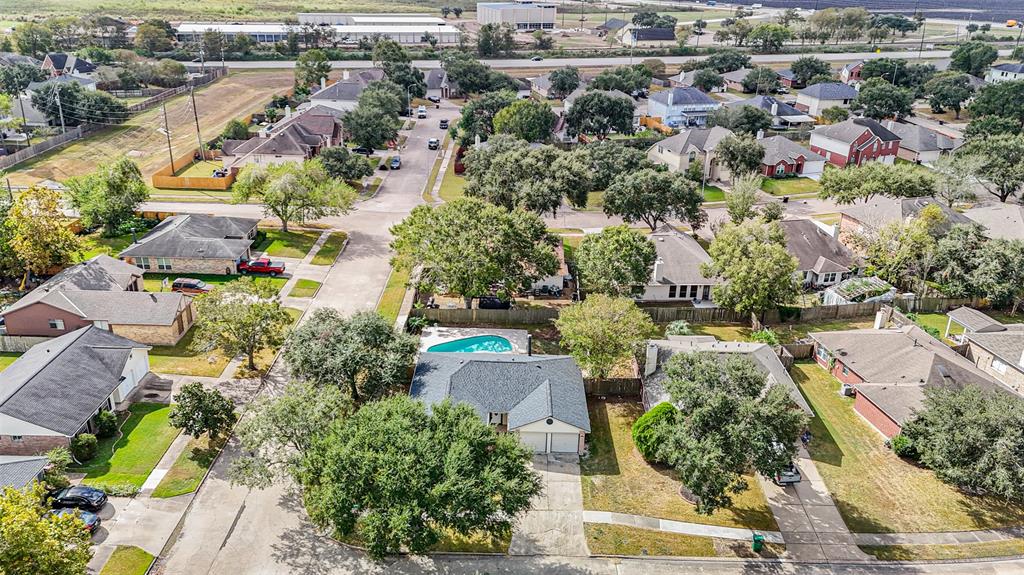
x: 758, y: 543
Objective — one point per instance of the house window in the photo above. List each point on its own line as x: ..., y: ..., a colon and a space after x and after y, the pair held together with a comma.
x: 828, y: 278
x: 163, y: 263
x: 845, y: 370
x: 693, y: 292
x: 822, y: 354
x: 661, y: 149
x: 142, y: 263
x: 671, y: 291
x: 17, y: 438
x: 693, y: 156
x: 780, y: 169
x: 494, y: 418
x: 56, y: 324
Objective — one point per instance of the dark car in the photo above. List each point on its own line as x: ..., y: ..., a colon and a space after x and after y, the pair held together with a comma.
x: 91, y: 520
x: 396, y: 163
x: 434, y: 99
x: 443, y: 125
x: 80, y: 496
x: 433, y: 144
x: 536, y: 58
x: 190, y: 285
x: 363, y: 150
x: 492, y: 302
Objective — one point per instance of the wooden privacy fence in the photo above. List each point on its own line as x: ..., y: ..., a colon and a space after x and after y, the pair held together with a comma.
x: 164, y: 177
x: 19, y: 343
x: 546, y: 315
x: 625, y: 386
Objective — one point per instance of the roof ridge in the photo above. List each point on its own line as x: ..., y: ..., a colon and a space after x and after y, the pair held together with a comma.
x: 26, y: 380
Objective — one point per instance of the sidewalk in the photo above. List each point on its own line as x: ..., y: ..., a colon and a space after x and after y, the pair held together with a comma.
x: 680, y: 527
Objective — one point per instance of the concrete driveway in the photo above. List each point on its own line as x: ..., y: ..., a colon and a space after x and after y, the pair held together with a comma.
x: 555, y: 524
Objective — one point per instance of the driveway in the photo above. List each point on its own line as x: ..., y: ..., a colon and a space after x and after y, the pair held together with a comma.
x: 554, y: 526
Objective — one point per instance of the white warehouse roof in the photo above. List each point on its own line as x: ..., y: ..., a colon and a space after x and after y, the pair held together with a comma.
x: 387, y: 19
x: 191, y: 27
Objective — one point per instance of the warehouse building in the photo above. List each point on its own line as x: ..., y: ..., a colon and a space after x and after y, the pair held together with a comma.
x: 344, y: 34
x: 343, y: 19
x: 521, y: 15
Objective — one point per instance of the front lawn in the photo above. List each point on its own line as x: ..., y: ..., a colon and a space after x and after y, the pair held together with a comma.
x: 946, y: 552
x: 281, y: 244
x: 304, y: 288
x: 7, y: 358
x: 329, y: 252
x: 595, y: 202
x: 616, y: 478
x: 876, y: 491
x: 605, y: 539
x: 190, y: 467
x: 127, y: 560
x: 713, y: 193
x: 180, y: 359
x: 145, y: 436
x: 789, y: 186
x: 154, y: 281
x: 453, y: 186
x: 394, y: 292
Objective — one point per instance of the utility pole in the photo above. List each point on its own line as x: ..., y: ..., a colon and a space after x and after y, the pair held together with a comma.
x: 167, y: 132
x: 24, y: 120
x: 60, y: 110
x: 195, y: 114
x: 920, y: 49
x: 202, y: 59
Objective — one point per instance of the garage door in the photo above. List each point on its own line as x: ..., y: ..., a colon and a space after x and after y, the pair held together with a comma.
x: 565, y: 442
x: 535, y: 441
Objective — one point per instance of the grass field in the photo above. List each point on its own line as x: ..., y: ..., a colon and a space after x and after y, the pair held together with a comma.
x: 281, y: 244
x: 787, y: 333
x: 394, y: 292
x: 94, y: 244
x: 876, y: 491
x: 304, y: 288
x: 154, y: 282
x: 789, y: 186
x: 146, y: 435
x: 713, y: 193
x: 181, y: 360
x: 595, y: 202
x: 7, y: 358
x: 828, y: 219
x: 190, y: 467
x: 127, y: 560
x: 231, y: 10
x: 453, y: 186
x: 329, y: 252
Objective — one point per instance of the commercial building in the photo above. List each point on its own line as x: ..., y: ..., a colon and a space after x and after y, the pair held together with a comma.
x: 521, y: 15
x: 341, y: 19
x: 343, y: 34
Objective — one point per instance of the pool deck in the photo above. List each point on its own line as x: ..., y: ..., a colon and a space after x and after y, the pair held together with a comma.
x: 432, y: 336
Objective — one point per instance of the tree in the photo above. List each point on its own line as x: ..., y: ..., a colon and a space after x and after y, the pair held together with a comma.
x: 39, y: 234
x: 769, y: 37
x: 362, y: 354
x: 954, y: 178
x: 1003, y: 99
x: 626, y: 79
x: 596, y: 113
x: 617, y: 262
x: 878, y: 99
x: 608, y: 159
x: 495, y: 40
x: 727, y: 60
x: 707, y: 80
x: 242, y: 44
x: 32, y: 39
x: 310, y: 67
x: 1000, y: 273
x: 755, y: 269
x: 370, y: 127
x: 468, y: 245
x: 528, y: 120
x: 773, y: 212
x: 387, y: 53
x: 409, y: 78
x: 235, y: 130
x: 294, y: 192
x: 900, y: 252
x: 78, y: 106
x: 151, y: 38
x: 602, y: 331
x: 33, y: 542
x: 807, y: 67
x: 740, y: 202
x: 740, y: 154
x: 835, y: 114
x: 212, y: 43
x: 385, y: 96
x: 957, y: 258
x: 338, y: 162
x: 872, y: 179
x: 761, y: 80
x: 14, y: 79
x: 999, y: 163
x: 542, y: 41
x: 647, y: 18
x: 473, y: 76
x: 948, y: 90
x: 467, y: 477
x: 108, y: 196
x: 243, y: 317
x: 973, y: 57
x: 990, y: 126
x: 731, y: 420
x: 198, y: 410
x: 564, y: 81
x: 741, y: 119
x: 653, y: 197
x: 477, y: 118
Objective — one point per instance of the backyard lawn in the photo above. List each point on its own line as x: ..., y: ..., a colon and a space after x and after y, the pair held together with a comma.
x: 190, y: 467
x: 304, y: 288
x: 94, y: 244
x: 154, y: 282
x: 145, y: 436
x: 201, y: 169
x: 394, y: 292
x: 788, y: 333
x: 713, y: 194
x: 127, y: 560
x: 789, y: 186
x: 330, y: 250
x: 616, y: 477
x: 7, y: 358
x: 281, y: 244
x: 828, y: 219
x: 180, y: 359
x: 605, y: 539
x: 875, y: 490
x: 938, y: 321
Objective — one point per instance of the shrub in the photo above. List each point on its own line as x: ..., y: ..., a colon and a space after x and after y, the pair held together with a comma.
x: 902, y: 446
x: 123, y: 489
x: 679, y: 327
x: 106, y: 424
x: 648, y: 427
x: 55, y: 473
x: 84, y: 447
x: 765, y: 336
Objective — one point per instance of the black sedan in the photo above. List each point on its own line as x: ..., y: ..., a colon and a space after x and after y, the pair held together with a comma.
x: 80, y: 496
x: 91, y: 520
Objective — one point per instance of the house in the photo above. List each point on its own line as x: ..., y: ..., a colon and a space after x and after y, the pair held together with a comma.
x: 540, y: 398
x: 59, y: 63
x: 660, y: 351
x: 12, y: 58
x: 86, y: 83
x: 194, y: 243
x: 784, y: 157
x: 850, y: 73
x: 888, y: 370
x: 611, y: 25
x: 677, y: 276
x: 102, y: 292
x: 788, y: 79
x: 783, y: 115
x: 20, y: 471
x: 439, y: 85
x: 921, y: 145
x: 688, y: 146
x: 681, y: 107
x: 344, y: 94
x: 52, y: 392
x: 558, y: 279
x: 582, y: 89
x: 818, y: 97
x: 994, y: 347
x: 685, y: 79
x: 734, y: 79
x: 296, y: 138
x: 541, y: 86
x: 823, y: 261
x: 636, y: 36
x: 1005, y: 221
x: 879, y: 211
x: 854, y: 142
x: 1007, y: 72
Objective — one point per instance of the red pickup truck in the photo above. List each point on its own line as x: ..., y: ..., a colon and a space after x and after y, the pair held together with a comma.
x: 261, y: 266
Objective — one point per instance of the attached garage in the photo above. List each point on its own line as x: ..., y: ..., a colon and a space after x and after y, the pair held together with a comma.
x: 549, y: 435
x: 535, y: 441
x: 565, y: 442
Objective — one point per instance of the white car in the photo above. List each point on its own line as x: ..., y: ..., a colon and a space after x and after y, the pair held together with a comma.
x: 421, y: 112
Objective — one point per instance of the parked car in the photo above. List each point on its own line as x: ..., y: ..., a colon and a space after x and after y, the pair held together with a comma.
x: 396, y: 163
x: 190, y: 285
x: 421, y: 112
x: 789, y: 476
x: 494, y: 302
x: 443, y: 125
x: 91, y: 520
x: 536, y: 58
x: 434, y: 99
x: 433, y: 144
x: 363, y: 150
x: 261, y: 266
x: 81, y: 497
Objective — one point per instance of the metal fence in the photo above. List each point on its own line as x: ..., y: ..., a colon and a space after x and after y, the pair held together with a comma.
x: 42, y: 147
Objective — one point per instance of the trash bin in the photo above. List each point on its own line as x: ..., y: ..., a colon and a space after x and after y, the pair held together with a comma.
x: 758, y: 543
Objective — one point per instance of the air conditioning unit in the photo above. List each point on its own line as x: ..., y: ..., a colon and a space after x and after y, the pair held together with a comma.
x: 847, y: 390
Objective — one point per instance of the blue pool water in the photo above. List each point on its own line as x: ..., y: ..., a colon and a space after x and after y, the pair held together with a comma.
x: 488, y: 343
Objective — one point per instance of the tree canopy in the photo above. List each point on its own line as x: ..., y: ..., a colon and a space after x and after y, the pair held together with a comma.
x: 625, y: 79
x: 727, y: 60
x: 653, y: 197
x: 371, y: 127
x: 973, y: 57
x: 598, y: 114
x: 310, y: 67
x: 602, y: 331
x: 33, y: 542
x: 998, y: 163
x: 879, y: 99
x: 900, y: 252
x: 706, y: 79
x: 339, y: 162
x: 240, y: 318
x: 756, y: 270
x: 1002, y: 99
x: 948, y: 90
x: 39, y: 234
x: 807, y: 67
x: 198, y: 410
x: 617, y: 261
x: 109, y: 195
x: 478, y: 115
x: 872, y: 179
x: 609, y: 159
x: 294, y: 192
x: 564, y: 81
x: 528, y: 120
x: 741, y: 119
x: 741, y: 154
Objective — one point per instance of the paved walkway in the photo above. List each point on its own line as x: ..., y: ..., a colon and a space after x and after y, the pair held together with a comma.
x: 435, y: 192
x: 554, y: 524
x: 944, y: 538
x: 681, y: 527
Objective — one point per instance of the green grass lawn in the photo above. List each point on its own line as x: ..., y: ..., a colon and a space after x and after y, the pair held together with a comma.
x: 94, y: 244
x: 787, y: 333
x: 616, y: 477
x: 190, y: 467
x: 453, y: 186
x: 604, y: 539
x: 180, y: 359
x: 146, y: 436
x: 202, y: 169
x: 938, y: 321
x: 713, y: 193
x: 7, y: 358
x: 304, y: 288
x: 595, y: 202
x: 394, y: 292
x: 875, y: 490
x: 789, y: 186
x: 330, y: 250
x: 828, y: 219
x: 154, y: 281
x: 946, y: 552
x: 127, y: 560
x: 281, y: 244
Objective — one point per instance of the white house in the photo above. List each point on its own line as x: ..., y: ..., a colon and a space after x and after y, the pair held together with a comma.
x: 1005, y: 73
x: 815, y: 98
x: 677, y: 275
x: 688, y: 146
x: 681, y: 107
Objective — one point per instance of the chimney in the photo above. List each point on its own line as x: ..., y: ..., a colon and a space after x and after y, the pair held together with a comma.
x: 879, y: 320
x: 651, y: 362
x: 890, y: 124
x: 344, y: 75
x: 760, y: 134
x: 323, y: 82
x: 671, y: 93
x: 775, y: 107
x: 287, y: 111
x: 658, y: 265
x: 529, y: 344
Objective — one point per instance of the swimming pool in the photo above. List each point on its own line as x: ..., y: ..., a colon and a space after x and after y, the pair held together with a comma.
x: 487, y: 343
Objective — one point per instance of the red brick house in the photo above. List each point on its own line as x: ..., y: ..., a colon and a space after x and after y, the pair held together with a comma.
x: 850, y: 74
x: 854, y: 142
x: 784, y: 157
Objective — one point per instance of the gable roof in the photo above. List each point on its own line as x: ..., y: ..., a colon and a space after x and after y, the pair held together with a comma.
x: 1008, y: 345
x: 1010, y: 67
x: 613, y: 24
x: 344, y: 90
x: 736, y: 75
x: 295, y: 139
x: 786, y: 73
x: 683, y: 96
x: 59, y: 384
x: 816, y: 250
x: 195, y: 236
x: 70, y: 64
x: 100, y: 273
x: 1000, y: 220
x: 653, y: 34
x: 704, y: 139
x: 18, y: 471
x: 528, y: 387
x: 62, y: 79
x: 830, y: 91
x: 920, y: 139
x: 680, y: 258
x: 975, y: 320
x: 434, y: 78
x: 11, y: 58
x: 774, y: 107
x: 879, y: 211
x: 782, y: 149
x: 848, y: 131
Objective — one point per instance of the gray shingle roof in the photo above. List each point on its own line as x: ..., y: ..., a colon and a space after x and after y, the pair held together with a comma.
x: 63, y: 79
x: 683, y: 96
x: 11, y: 58
x: 681, y: 257
x: 295, y: 139
x: 17, y: 471
x: 434, y: 78
x: 704, y: 139
x: 782, y: 149
x: 60, y: 383
x: 1000, y: 220
x: 1010, y: 67
x: 653, y: 34
x: 975, y: 320
x: 920, y: 139
x: 830, y: 91
x: 815, y: 249
x: 880, y: 211
x: 849, y: 130
x: 613, y: 24
x: 1007, y: 346
x: 736, y: 75
x: 345, y: 91
x: 528, y: 388
x: 100, y: 273
x: 195, y: 236
x: 768, y: 103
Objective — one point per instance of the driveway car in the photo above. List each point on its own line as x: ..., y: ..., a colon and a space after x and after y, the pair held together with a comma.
x: 433, y: 144
x: 91, y: 520
x: 396, y: 163
x: 789, y: 476
x: 363, y: 150
x: 492, y: 302
x: 421, y: 112
x: 261, y: 266
x: 190, y: 285
x: 81, y: 497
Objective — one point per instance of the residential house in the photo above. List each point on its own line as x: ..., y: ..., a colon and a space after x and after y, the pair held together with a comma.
x: 685, y: 79
x: 194, y: 243
x: 1000, y: 220
x: 541, y: 86
x: 85, y: 82
x: 439, y: 85
x: 344, y: 94
x: 20, y: 471
x: 12, y: 58
x: 994, y: 347
x: 102, y: 292
x: 59, y: 63
x: 688, y: 146
x: 784, y: 157
x: 582, y: 89
x: 660, y: 351
x: 922, y: 145
x: 855, y: 142
x: 611, y: 25
x: 1008, y: 72
x: 681, y: 107
x: 784, y: 116
x: 636, y: 36
x: 823, y: 261
x: 297, y: 137
x: 850, y: 73
x: 888, y: 370
x: 53, y: 392
x: 561, y: 275
x: 788, y: 79
x: 734, y: 79
x: 818, y: 97
x: 677, y: 276
x: 879, y: 211
x: 540, y: 398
